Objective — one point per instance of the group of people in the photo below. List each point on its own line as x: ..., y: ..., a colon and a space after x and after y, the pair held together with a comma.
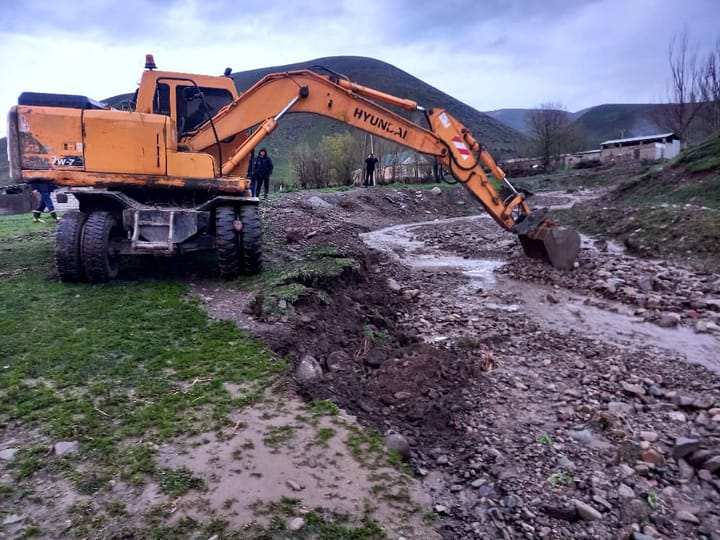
x: 259, y: 171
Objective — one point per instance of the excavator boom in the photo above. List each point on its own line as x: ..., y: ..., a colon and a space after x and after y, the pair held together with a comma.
x: 445, y: 138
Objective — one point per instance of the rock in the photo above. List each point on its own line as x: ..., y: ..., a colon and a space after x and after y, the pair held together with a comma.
x: 699, y: 457
x: 703, y: 403
x: 308, y: 370
x: 677, y: 416
x: 292, y: 484
x: 684, y: 446
x: 295, y: 524
x: 640, y: 536
x: 441, y: 509
x: 436, y: 191
x: 63, y: 448
x: 620, y: 408
x: 376, y: 356
x: 625, y: 470
x: 686, y: 470
x: 634, y: 389
x: 654, y: 457
x: 565, y: 513
x: 338, y: 361
x: 668, y: 320
x: 583, y: 436
x: 625, y: 492
x: 12, y: 519
x: 8, y: 454
x: 317, y: 202
x: 442, y: 460
x: 683, y: 515
x: 701, y: 327
x: 712, y: 464
x: 634, y: 510
x: 682, y: 400
x: 393, y: 285
x: 650, y: 436
x: 398, y: 443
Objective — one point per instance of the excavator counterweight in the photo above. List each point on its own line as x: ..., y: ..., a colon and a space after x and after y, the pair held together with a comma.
x: 168, y: 176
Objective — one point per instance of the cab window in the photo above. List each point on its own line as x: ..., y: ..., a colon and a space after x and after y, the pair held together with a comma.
x: 161, y: 99
x: 191, y: 112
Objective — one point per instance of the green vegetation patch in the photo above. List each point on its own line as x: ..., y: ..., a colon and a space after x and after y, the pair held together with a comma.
x: 279, y: 288
x: 316, y: 526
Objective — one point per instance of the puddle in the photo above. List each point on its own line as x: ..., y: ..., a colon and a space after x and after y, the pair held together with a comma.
x: 607, y: 321
x: 399, y: 242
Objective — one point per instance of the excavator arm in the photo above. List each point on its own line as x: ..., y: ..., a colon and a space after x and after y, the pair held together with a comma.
x: 262, y: 106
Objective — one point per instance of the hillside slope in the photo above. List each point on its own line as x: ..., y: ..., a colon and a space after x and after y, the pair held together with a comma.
x: 617, y: 121
x: 595, y: 124
x: 669, y: 211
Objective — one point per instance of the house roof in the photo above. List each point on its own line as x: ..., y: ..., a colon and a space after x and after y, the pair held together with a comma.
x: 647, y: 138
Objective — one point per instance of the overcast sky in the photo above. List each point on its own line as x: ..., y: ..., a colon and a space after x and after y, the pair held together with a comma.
x: 490, y: 54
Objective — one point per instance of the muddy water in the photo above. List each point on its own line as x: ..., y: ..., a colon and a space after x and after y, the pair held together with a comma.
x: 555, y: 309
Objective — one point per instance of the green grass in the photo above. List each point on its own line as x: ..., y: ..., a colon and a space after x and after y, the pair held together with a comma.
x: 109, y: 366
x: 25, y: 245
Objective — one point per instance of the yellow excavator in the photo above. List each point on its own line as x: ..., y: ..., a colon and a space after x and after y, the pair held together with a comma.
x: 166, y: 176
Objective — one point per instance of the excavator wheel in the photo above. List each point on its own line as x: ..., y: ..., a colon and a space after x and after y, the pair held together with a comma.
x: 250, y: 240
x: 226, y: 239
x: 100, y: 263
x: 68, y: 260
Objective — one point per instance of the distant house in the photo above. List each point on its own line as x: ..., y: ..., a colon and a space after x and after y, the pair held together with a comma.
x: 404, y: 166
x: 651, y: 147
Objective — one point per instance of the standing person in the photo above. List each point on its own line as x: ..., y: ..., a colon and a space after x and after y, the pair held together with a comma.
x: 45, y: 201
x: 370, y: 164
x: 262, y: 168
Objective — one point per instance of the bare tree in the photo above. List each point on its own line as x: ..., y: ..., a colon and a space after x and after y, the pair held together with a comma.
x: 709, y: 89
x: 550, y: 130
x: 683, y: 100
x: 310, y: 167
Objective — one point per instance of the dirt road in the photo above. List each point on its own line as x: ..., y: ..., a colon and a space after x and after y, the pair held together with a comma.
x: 536, y: 403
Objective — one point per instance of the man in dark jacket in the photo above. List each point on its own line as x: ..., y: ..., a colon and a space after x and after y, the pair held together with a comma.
x: 45, y: 201
x: 262, y: 168
x: 370, y: 164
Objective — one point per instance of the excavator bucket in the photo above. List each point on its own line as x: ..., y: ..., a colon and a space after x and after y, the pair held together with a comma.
x: 558, y: 245
x: 542, y: 239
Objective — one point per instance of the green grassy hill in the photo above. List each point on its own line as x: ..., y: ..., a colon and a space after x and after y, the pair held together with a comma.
x: 617, y: 121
